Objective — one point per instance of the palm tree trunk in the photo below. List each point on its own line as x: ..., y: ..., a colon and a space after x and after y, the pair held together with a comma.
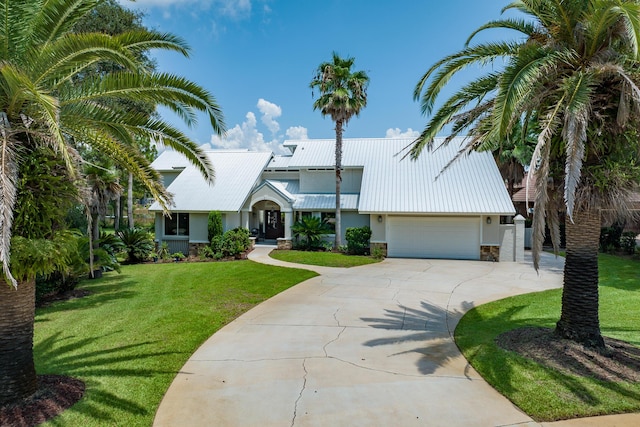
x: 116, y: 213
x: 579, y: 318
x: 338, y: 222
x: 17, y: 371
x: 130, y: 200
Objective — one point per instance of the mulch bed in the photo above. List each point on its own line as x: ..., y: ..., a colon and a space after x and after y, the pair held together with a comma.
x: 619, y: 362
x: 55, y: 394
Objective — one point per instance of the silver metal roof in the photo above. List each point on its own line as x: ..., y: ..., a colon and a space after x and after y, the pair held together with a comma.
x: 390, y: 184
x: 237, y: 172
x: 319, y: 202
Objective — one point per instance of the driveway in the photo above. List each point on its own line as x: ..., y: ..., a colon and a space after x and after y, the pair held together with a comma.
x: 365, y: 346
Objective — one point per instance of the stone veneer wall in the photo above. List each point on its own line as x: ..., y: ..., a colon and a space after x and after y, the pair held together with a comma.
x: 490, y: 253
x: 379, y: 245
x: 194, y: 248
x: 285, y: 244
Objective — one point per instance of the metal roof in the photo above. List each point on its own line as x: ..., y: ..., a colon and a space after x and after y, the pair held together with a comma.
x: 391, y: 184
x: 318, y: 202
x: 237, y: 172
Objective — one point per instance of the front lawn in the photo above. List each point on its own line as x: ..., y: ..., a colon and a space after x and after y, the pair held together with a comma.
x: 323, y: 259
x: 543, y: 393
x: 129, y: 338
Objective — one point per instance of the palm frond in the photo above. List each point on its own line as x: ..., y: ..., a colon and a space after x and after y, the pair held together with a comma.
x: 523, y: 26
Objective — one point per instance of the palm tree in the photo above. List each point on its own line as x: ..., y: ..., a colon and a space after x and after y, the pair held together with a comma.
x: 43, y: 103
x: 343, y: 94
x: 574, y: 75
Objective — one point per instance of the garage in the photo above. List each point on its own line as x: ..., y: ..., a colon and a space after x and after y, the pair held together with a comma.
x: 433, y: 237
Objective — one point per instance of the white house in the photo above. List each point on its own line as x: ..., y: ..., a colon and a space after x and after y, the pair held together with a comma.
x: 414, y: 208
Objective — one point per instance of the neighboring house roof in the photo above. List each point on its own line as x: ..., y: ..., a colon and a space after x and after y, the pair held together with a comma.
x: 170, y: 160
x: 237, y: 172
x: 391, y: 184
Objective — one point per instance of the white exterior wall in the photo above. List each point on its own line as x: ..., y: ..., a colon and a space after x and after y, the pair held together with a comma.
x: 324, y: 181
x: 490, y: 232
x: 378, y: 229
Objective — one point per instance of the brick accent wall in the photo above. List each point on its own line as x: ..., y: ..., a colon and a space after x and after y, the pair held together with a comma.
x: 490, y: 253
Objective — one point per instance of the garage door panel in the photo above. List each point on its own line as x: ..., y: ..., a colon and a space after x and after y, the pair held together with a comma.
x: 434, y: 237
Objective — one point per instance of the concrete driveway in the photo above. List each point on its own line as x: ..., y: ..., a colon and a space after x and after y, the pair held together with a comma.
x: 365, y: 346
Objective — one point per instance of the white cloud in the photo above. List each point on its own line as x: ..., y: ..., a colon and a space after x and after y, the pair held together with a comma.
x: 397, y: 133
x: 270, y: 112
x: 297, y: 132
x: 236, y: 9
x: 247, y: 136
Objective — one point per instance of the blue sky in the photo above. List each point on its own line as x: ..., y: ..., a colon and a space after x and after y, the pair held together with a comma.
x: 257, y: 57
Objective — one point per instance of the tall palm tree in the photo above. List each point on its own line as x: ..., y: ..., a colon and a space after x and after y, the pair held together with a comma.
x: 574, y: 74
x: 43, y: 102
x: 343, y: 94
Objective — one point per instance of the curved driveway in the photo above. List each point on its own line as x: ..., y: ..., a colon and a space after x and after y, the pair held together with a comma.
x: 365, y: 346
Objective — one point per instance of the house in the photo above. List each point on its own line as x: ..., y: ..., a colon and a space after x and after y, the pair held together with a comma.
x: 414, y: 208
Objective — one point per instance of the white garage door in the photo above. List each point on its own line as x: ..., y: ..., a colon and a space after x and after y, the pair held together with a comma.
x: 433, y: 237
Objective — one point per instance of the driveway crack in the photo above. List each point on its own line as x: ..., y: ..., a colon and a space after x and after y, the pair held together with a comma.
x: 324, y: 348
x: 304, y: 386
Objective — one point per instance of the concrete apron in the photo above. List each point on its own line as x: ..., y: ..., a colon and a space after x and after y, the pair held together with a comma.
x: 365, y: 346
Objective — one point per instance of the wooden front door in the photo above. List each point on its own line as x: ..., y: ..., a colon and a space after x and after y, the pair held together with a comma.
x: 274, y: 226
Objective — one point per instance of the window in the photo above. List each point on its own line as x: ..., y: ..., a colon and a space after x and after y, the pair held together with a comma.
x: 304, y: 214
x: 329, y: 218
x: 177, y: 225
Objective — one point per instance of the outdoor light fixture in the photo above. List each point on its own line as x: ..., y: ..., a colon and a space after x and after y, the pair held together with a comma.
x: 379, y: 218
x: 488, y: 220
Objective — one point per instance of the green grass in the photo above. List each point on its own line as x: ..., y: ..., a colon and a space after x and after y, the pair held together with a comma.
x: 546, y: 394
x: 129, y: 338
x: 323, y: 259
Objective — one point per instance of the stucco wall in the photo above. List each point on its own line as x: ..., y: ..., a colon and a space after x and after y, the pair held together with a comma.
x: 230, y: 220
x: 490, y: 232
x: 378, y: 233
x: 353, y: 219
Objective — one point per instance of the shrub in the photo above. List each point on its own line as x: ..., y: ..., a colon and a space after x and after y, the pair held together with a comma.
x: 628, y: 242
x: 311, y: 229
x: 214, y: 225
x: 610, y: 238
x: 358, y: 240
x: 138, y: 244
x: 232, y: 243
x: 376, y: 253
x: 163, y: 251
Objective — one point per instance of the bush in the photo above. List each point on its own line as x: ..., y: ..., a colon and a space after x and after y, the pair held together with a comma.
x: 311, y: 229
x: 231, y: 244
x: 358, y: 240
x: 214, y: 225
x: 610, y: 238
x: 628, y: 242
x: 138, y: 244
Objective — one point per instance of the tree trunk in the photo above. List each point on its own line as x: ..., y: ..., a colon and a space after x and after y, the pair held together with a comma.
x: 17, y: 312
x: 116, y: 213
x: 130, y: 201
x: 579, y: 318
x: 338, y: 222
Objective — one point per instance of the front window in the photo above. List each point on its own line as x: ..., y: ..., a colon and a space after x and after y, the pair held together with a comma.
x: 329, y: 218
x: 177, y: 225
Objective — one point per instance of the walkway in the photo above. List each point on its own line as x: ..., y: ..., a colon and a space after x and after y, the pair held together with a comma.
x: 365, y: 346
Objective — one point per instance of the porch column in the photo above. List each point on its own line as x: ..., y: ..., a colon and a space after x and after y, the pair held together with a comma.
x: 288, y: 222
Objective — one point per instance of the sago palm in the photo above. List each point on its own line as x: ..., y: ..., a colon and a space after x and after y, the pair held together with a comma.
x: 46, y: 100
x: 572, y: 73
x: 343, y: 94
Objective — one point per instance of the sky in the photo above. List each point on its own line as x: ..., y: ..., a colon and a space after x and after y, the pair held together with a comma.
x: 257, y: 57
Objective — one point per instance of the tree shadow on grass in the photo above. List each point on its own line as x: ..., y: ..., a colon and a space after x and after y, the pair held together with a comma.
x: 102, y: 291
x: 102, y: 370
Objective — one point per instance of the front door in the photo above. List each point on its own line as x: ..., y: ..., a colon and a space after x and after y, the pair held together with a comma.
x: 274, y: 225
